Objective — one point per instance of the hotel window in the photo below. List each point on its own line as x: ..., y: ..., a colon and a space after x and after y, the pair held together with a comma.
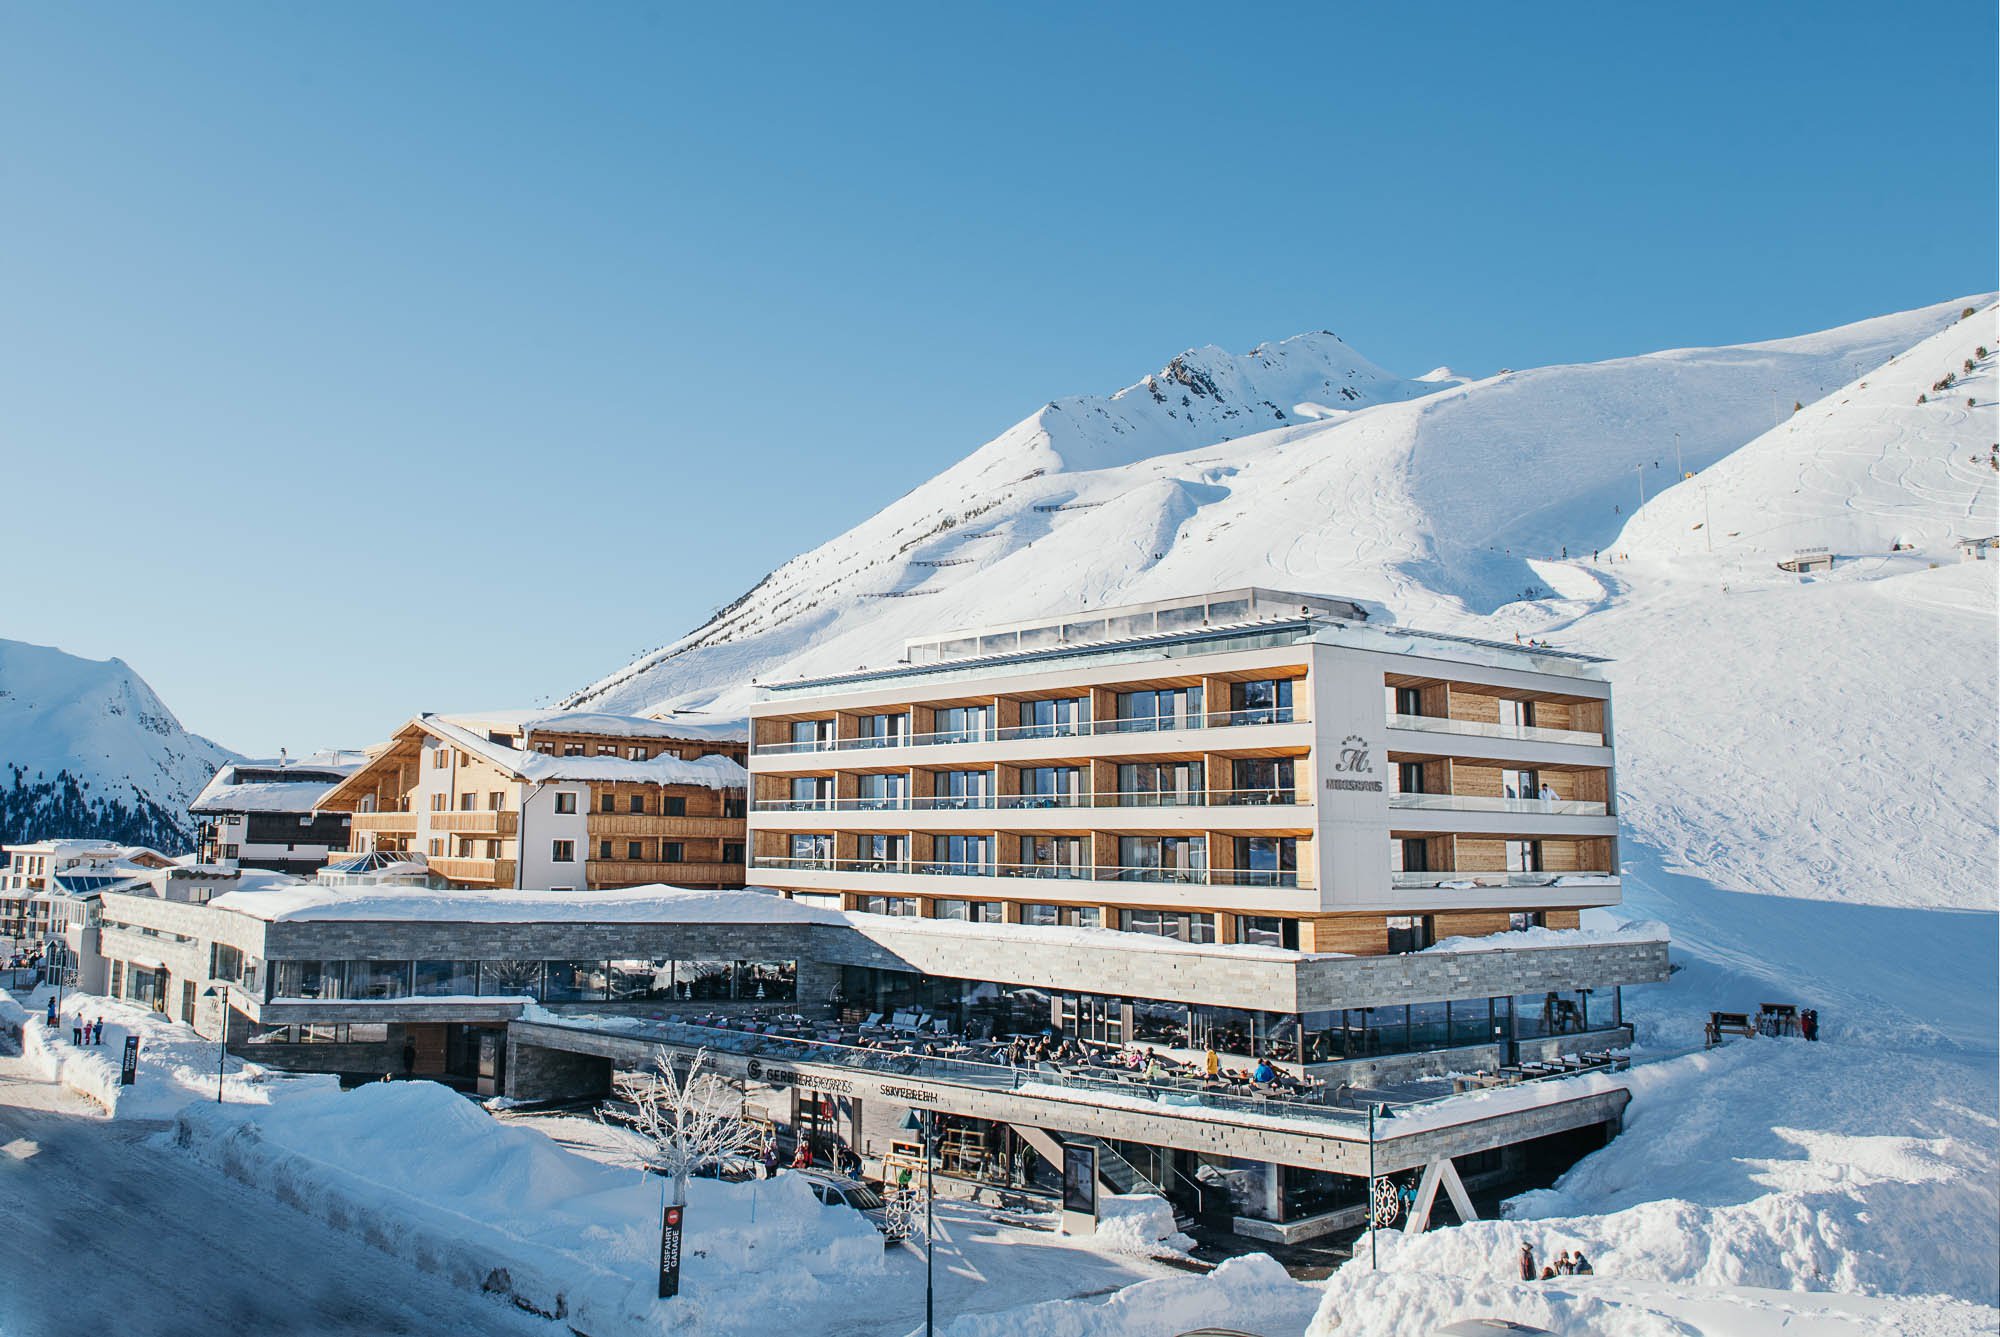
x: 1410, y: 777
x: 496, y: 800
x: 1157, y: 784
x: 607, y: 749
x: 1524, y: 856
x: 1164, y: 708
x: 1262, y: 780
x: 566, y: 800
x: 811, y: 734
x: 904, y: 906
x: 1162, y: 858
x: 572, y: 749
x: 638, y: 803
x: 437, y: 846
x: 963, y: 724
x: 1261, y: 701
x: 468, y: 802
x: 674, y: 807
x: 1059, y: 717
x: 1520, y: 921
x: 814, y: 851
x: 1050, y: 786
x: 881, y: 730
x: 1519, y: 784
x: 607, y: 802
x: 964, y: 789
x: 562, y: 851
x: 1410, y: 933
x: 891, y: 790
x: 1410, y: 856
x: 812, y: 791
x: 1067, y: 916
x: 732, y: 852
x: 438, y: 802
x: 1267, y: 931
x: 1518, y: 714
x: 672, y: 851
x: 1175, y: 924
x: 1054, y: 856
x: 440, y: 757
x: 1266, y: 861
x: 635, y: 850
x: 546, y: 748
x: 964, y: 855
x: 1407, y: 700
x: 637, y: 754
x: 492, y: 849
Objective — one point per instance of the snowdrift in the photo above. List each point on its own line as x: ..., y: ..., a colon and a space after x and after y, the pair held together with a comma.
x: 424, y: 1174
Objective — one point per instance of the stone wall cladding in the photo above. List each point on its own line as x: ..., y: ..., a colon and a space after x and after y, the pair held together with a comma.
x: 1430, y: 977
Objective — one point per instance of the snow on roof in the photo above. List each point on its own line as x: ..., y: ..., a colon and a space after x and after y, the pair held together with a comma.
x: 1632, y: 931
x: 706, y: 772
x: 617, y: 726
x: 1104, y: 939
x: 655, y: 904
x: 226, y: 791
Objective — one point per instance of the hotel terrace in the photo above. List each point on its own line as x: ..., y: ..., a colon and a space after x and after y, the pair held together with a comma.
x: 1251, y: 766
x: 558, y: 801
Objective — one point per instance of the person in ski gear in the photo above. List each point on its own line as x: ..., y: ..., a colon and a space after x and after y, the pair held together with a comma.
x: 97, y: 1031
x: 1580, y: 1265
x: 1527, y: 1262
x: 1809, y: 1023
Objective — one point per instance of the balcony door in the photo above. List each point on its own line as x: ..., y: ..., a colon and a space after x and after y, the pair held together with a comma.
x: 1158, y: 784
x: 964, y: 789
x: 1050, y: 786
x: 883, y: 853
x: 812, y: 851
x: 1163, y: 858
x: 1261, y: 701
x: 812, y: 791
x: 1055, y: 856
x: 965, y: 856
x: 963, y: 724
x: 1060, y: 717
x: 1162, y: 708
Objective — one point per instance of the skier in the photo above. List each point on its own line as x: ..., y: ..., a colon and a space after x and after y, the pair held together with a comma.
x: 1527, y: 1261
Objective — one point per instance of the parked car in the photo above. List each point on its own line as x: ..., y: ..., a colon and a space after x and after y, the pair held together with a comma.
x: 841, y: 1191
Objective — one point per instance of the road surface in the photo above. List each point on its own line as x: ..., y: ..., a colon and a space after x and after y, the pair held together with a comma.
x: 103, y: 1233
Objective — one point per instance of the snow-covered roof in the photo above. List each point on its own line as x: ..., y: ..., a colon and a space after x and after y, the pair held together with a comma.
x: 632, y: 905
x: 231, y: 791
x: 706, y: 772
x: 614, y: 726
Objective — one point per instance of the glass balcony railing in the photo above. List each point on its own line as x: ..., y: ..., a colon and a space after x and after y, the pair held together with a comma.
x: 1481, y: 729
x: 1225, y: 719
x: 1193, y: 798
x: 1200, y: 877
x: 1449, y: 879
x: 1479, y: 803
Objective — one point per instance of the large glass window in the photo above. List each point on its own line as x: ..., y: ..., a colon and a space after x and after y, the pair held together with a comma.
x: 882, y: 853
x: 1177, y: 924
x: 1261, y: 701
x: 1164, y: 708
x: 1056, y: 718
x: 1091, y: 1017
x: 1050, y: 786
x: 964, y: 789
x: 1054, y: 856
x: 812, y: 851
x: 811, y: 734
x: 963, y: 724
x: 974, y: 912
x: 1472, y: 1021
x: 1262, y: 780
x: 510, y: 979
x: 901, y: 906
x: 573, y: 982
x: 1524, y: 856
x: 1159, y: 783
x: 888, y: 790
x: 1430, y: 1026
x: 1266, y: 861
x: 881, y: 730
x: 306, y: 979
x: 636, y: 981
x: 812, y: 791
x: 1163, y: 858
x: 963, y: 855
x: 1067, y: 916
x: 1267, y: 931
x: 378, y: 979
x: 1409, y: 933
x: 1518, y: 714
x: 446, y: 979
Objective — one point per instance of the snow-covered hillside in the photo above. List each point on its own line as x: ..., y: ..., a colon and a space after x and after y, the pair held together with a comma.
x: 87, y: 749
x: 1427, y: 498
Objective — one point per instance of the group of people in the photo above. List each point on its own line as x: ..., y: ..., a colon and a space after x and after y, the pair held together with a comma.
x: 83, y: 1032
x: 1567, y: 1265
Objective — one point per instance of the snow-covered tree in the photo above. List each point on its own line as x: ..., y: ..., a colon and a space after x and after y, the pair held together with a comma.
x: 690, y: 1118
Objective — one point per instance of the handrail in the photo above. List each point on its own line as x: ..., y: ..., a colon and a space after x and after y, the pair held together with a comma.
x: 1208, y: 877
x: 1221, y: 719
x: 1192, y: 798
x: 1490, y: 803
x: 1480, y: 728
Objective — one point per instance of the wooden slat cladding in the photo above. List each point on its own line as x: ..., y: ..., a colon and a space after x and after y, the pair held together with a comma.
x: 694, y: 828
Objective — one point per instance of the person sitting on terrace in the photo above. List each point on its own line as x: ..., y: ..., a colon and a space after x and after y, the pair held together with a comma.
x: 1264, y: 1074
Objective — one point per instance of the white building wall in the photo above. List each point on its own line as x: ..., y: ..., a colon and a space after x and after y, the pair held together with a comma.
x: 542, y: 826
x: 1350, y: 776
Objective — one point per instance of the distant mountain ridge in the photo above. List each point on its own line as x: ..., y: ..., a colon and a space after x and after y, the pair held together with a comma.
x: 87, y: 749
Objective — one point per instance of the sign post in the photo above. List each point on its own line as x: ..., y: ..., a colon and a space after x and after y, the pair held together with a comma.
x: 128, y: 1071
x: 670, y: 1250
x: 1079, y: 1189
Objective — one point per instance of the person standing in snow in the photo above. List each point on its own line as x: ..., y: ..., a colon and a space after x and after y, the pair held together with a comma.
x: 1527, y: 1261
x: 97, y: 1031
x: 1580, y: 1265
x: 1809, y: 1023
x: 76, y: 1031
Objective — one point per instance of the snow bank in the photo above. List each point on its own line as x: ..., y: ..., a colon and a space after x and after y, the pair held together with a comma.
x: 426, y: 1175
x: 1787, y: 1166
x: 175, y: 1065
x: 1138, y: 1223
x: 1251, y: 1292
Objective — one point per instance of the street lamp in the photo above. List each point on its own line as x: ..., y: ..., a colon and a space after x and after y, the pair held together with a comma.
x: 914, y: 1120
x: 1376, y: 1110
x: 220, y: 989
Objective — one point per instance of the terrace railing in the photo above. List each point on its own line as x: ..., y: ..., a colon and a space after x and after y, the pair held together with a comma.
x: 1482, y: 729
x: 1224, y: 719
x: 1482, y: 803
x: 1194, y: 798
x: 1201, y: 877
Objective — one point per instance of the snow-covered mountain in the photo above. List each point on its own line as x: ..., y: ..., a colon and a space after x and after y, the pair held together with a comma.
x: 1807, y: 766
x: 87, y: 749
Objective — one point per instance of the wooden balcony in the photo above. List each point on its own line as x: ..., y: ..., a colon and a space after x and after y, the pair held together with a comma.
x: 608, y: 825
x: 485, y: 823
x: 475, y: 872
x: 389, y: 823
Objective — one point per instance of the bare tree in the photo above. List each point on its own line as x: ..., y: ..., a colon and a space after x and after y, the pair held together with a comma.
x: 689, y: 1119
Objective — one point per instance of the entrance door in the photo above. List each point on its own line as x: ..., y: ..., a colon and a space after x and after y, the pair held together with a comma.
x: 187, y: 1001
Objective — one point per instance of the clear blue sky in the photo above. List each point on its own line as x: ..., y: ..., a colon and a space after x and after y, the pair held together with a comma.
x: 361, y: 359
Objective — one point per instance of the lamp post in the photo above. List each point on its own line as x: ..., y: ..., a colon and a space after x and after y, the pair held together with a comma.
x: 921, y: 1120
x: 220, y: 990
x: 1376, y: 1110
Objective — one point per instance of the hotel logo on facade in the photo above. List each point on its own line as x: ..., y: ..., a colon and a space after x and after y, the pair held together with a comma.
x: 1353, y: 763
